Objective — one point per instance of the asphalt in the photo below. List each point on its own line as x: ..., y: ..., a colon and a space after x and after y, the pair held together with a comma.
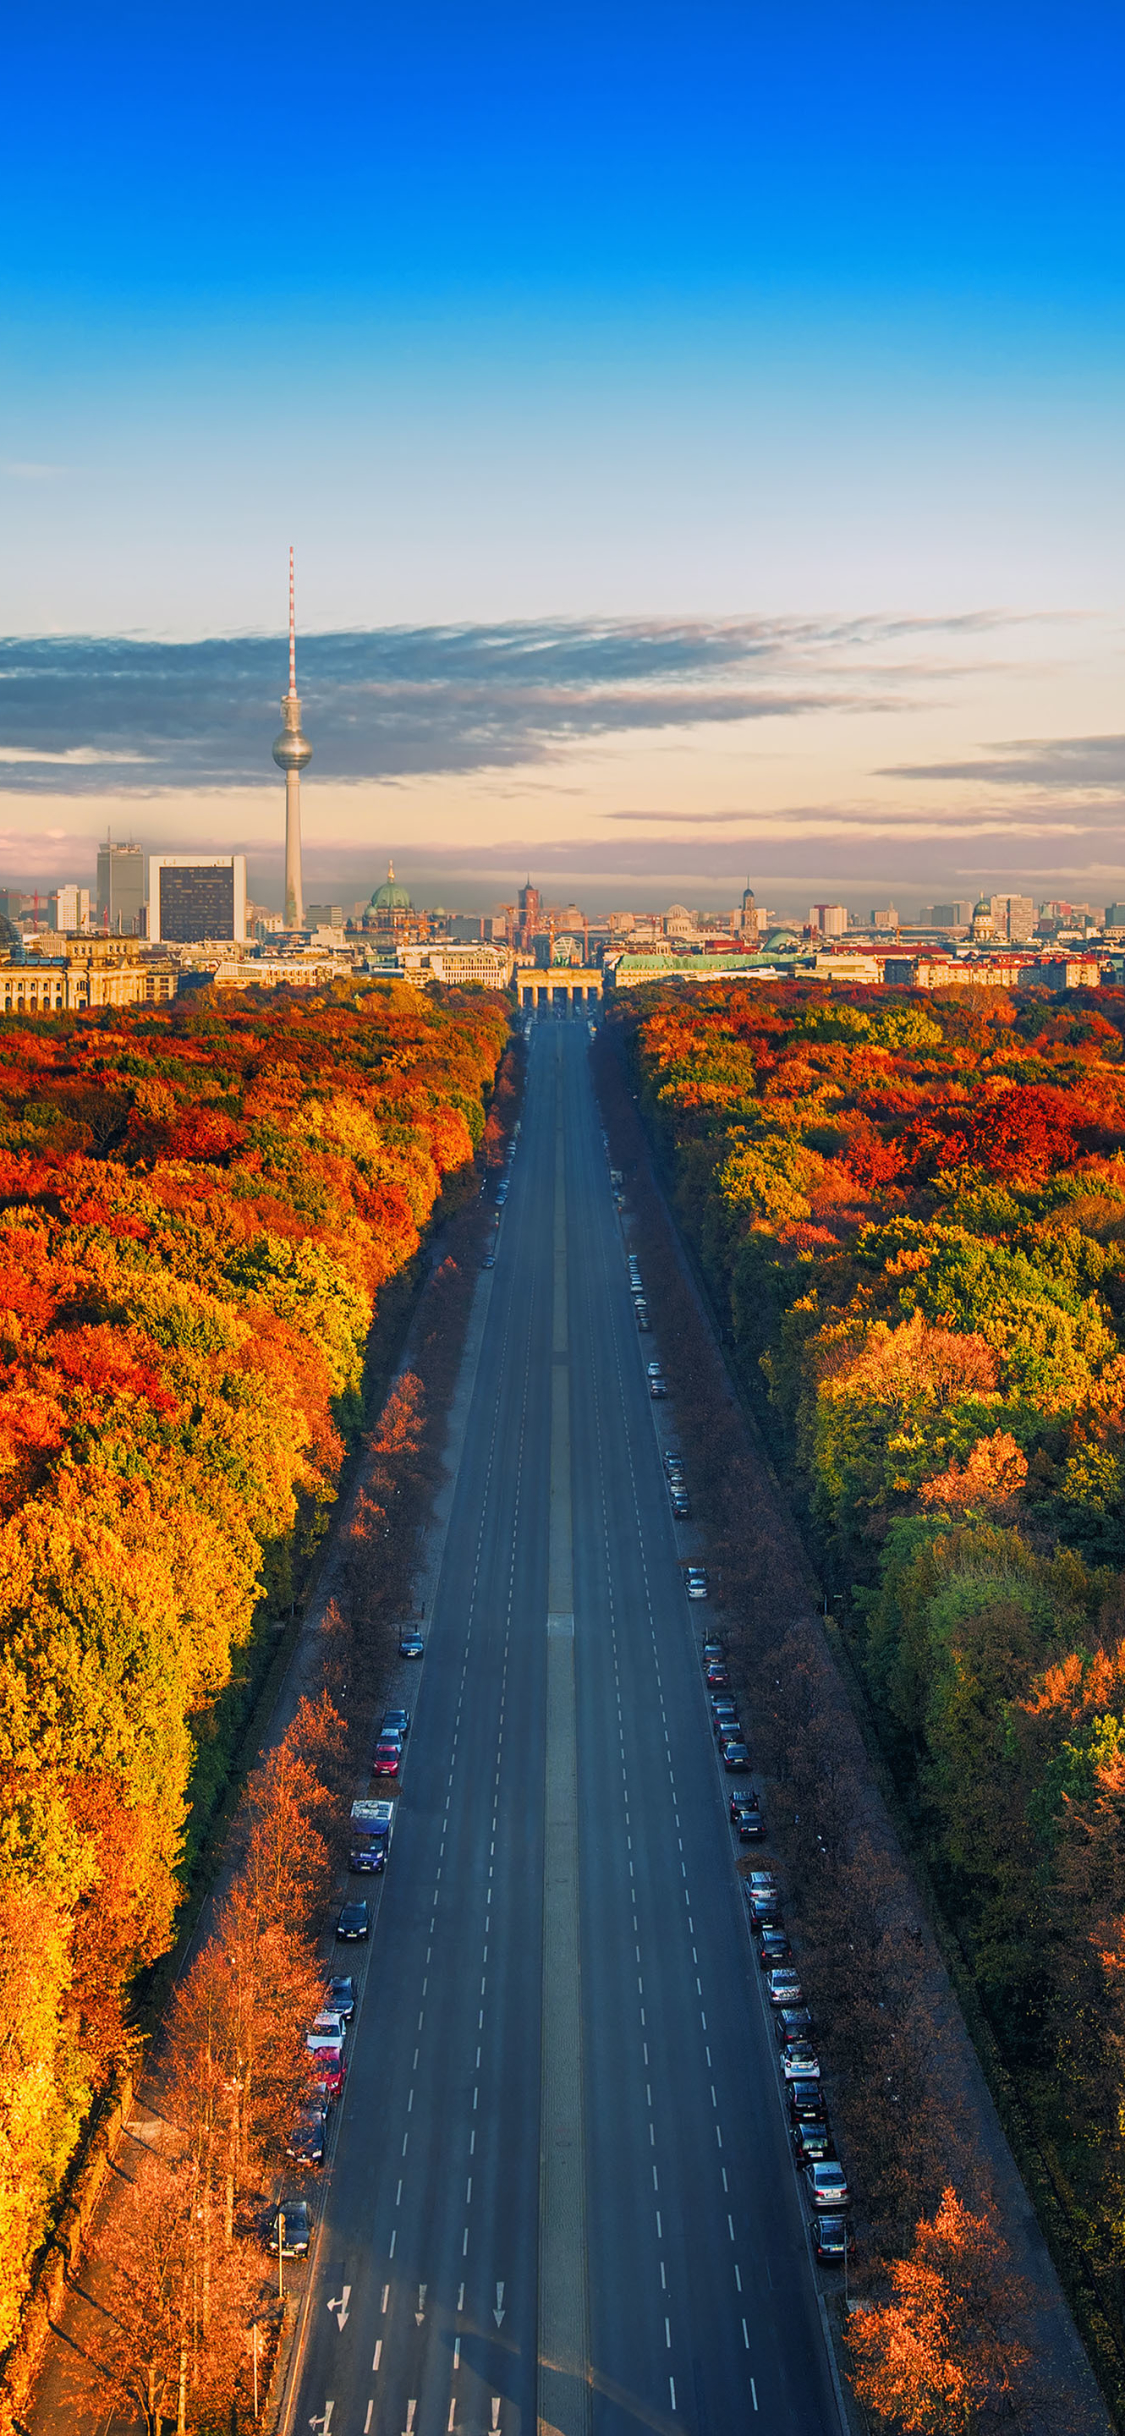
x: 560, y: 2189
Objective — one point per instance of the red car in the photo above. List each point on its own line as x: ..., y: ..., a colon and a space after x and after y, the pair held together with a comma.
x: 331, y: 2071
x: 388, y: 1756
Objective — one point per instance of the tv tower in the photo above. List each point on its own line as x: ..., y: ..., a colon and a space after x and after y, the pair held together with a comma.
x: 292, y: 753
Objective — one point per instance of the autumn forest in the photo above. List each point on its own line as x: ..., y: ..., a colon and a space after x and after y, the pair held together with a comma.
x: 911, y: 1219
x: 201, y: 1207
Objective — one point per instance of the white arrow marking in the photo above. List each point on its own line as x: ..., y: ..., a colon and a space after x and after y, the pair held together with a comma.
x: 498, y: 2313
x: 420, y: 2312
x: 341, y: 2309
x: 325, y: 2421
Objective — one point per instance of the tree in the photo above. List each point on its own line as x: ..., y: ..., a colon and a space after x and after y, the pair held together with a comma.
x: 946, y: 2352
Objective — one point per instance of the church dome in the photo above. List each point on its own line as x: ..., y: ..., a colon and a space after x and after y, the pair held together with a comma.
x: 390, y: 898
x: 982, y: 910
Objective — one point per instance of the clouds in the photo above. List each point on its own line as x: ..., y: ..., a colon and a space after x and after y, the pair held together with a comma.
x: 1055, y: 765
x: 78, y: 713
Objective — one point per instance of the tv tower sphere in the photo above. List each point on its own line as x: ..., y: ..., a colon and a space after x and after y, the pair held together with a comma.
x: 292, y: 753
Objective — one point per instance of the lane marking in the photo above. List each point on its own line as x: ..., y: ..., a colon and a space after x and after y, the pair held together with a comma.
x: 386, y: 2298
x: 378, y: 2353
x: 367, y: 2421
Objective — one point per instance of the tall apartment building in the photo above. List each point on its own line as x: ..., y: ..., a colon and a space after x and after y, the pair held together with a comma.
x: 69, y: 908
x: 192, y: 897
x: 1014, y: 918
x: 121, y: 888
x: 830, y: 920
x: 955, y: 916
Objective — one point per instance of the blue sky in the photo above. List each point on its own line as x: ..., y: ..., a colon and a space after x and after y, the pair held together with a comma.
x: 615, y: 314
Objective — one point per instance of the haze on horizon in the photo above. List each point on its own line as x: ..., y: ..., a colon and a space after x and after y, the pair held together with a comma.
x: 699, y: 432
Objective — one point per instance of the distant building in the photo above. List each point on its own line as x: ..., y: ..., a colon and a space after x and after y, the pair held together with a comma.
x: 955, y: 916
x: 983, y: 926
x: 192, y: 897
x: 884, y: 917
x: 86, y: 974
x: 69, y: 908
x: 458, y: 965
x: 1014, y: 919
x: 390, y: 913
x: 530, y: 911
x: 1115, y: 917
x: 121, y: 888
x: 830, y: 920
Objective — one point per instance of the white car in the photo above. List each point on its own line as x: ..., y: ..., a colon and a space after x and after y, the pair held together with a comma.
x: 327, y: 2031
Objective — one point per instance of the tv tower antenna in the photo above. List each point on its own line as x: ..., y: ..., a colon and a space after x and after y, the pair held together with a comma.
x: 292, y: 753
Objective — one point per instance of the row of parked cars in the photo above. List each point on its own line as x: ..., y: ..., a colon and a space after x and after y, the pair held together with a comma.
x: 636, y: 1289
x: 825, y: 2182
x: 813, y: 2147
x: 289, y: 2227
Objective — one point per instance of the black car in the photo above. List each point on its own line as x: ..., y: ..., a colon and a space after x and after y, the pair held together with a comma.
x: 773, y: 1947
x: 714, y: 1648
x: 489, y: 1261
x: 289, y: 2229
x: 354, y: 1923
x: 812, y: 2143
x: 792, y: 2021
x: 751, y: 1826
x: 722, y: 1705
x: 806, y: 2102
x: 306, y: 2140
x: 766, y: 1913
x: 743, y: 1796
x: 830, y: 2240
x: 717, y: 1675
x: 410, y: 1645
x: 736, y: 1757
x: 341, y: 1997
x: 395, y: 1721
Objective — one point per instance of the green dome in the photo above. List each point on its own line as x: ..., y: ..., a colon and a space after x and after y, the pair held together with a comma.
x: 390, y: 898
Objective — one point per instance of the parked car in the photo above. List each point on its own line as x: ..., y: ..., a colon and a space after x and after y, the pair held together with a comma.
x: 783, y: 1986
x: 713, y: 1647
x: 765, y: 1913
x: 792, y: 2021
x: 643, y: 1321
x: 681, y: 1508
x: 718, y: 1676
x: 812, y: 2142
x: 723, y: 1707
x: 728, y: 1729
x: 388, y: 1758
x: 354, y: 1922
x: 695, y: 1584
x: 341, y: 1996
x: 830, y: 2240
x: 396, y: 1721
x: 331, y: 2072
x: 827, y: 2185
x: 800, y: 2063
x: 328, y: 2030
x: 306, y: 2140
x: 751, y: 1826
x: 410, y: 1645
x: 657, y: 1390
x: 735, y: 1757
x: 489, y: 1261
x: 806, y: 2102
x: 289, y: 2229
x: 744, y: 1797
x: 760, y: 1882
x: 773, y: 1950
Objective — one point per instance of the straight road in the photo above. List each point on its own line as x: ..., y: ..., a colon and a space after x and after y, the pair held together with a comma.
x: 561, y: 2188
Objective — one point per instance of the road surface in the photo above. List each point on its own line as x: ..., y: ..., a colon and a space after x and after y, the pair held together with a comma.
x: 561, y: 2190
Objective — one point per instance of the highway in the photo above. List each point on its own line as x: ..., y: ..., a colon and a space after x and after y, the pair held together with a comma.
x: 560, y: 2190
